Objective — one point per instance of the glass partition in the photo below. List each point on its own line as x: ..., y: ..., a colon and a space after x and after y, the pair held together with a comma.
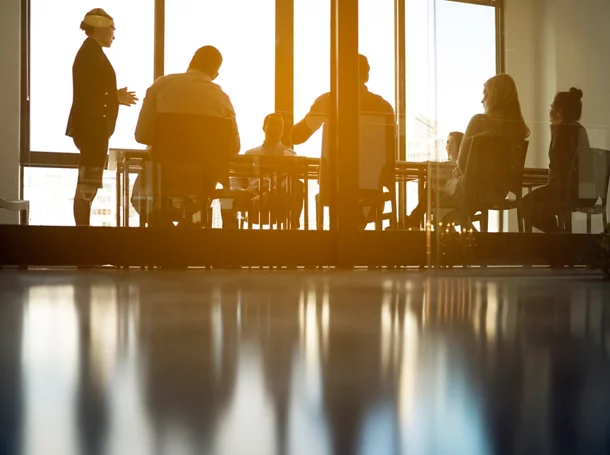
x: 55, y: 40
x: 244, y: 32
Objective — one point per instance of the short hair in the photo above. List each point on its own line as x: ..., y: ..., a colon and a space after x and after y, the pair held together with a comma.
x: 363, y: 68
x: 570, y: 104
x: 88, y: 29
x: 207, y: 59
x: 269, y: 117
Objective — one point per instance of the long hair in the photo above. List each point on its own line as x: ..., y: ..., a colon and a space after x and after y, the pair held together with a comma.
x: 503, y: 101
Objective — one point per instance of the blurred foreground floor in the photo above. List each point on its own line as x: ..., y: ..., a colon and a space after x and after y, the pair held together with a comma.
x: 291, y: 363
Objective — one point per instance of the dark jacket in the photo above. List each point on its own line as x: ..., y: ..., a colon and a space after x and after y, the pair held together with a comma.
x: 566, y: 138
x: 95, y: 105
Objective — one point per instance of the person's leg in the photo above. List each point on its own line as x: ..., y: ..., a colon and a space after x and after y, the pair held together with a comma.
x: 416, y: 218
x: 537, y: 208
x: 83, y: 198
x: 299, y: 191
x: 229, y: 219
x: 93, y: 154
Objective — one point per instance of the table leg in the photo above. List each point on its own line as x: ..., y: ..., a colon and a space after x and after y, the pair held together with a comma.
x: 126, y: 193
x: 118, y: 191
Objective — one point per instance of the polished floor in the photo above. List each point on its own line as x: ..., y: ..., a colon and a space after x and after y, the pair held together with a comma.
x: 295, y: 362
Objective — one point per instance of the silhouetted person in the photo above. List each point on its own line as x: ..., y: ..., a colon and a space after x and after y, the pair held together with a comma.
x: 542, y: 206
x: 502, y: 118
x: 192, y: 92
x: 95, y: 107
x: 372, y: 107
x: 273, y: 126
x: 454, y: 141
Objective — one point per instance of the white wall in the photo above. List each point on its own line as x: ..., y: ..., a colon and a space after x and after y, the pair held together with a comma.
x: 552, y: 45
x: 9, y: 104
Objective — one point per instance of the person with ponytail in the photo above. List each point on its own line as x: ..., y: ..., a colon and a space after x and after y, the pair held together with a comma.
x: 95, y: 108
x: 542, y: 206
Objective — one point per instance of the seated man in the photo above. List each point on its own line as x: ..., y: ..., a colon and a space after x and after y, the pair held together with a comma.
x: 440, y: 179
x: 377, y: 125
x: 273, y: 126
x: 191, y: 93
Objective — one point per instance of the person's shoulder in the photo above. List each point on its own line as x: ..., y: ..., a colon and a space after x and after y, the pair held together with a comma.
x: 254, y: 151
x: 89, y: 49
x: 379, y: 103
x: 480, y: 118
x: 289, y: 152
x: 321, y: 103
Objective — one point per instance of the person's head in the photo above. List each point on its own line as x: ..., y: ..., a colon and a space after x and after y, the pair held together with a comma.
x: 454, y: 140
x: 567, y: 106
x: 501, y: 100
x: 273, y: 126
x: 99, y: 26
x: 364, y: 69
x: 208, y: 60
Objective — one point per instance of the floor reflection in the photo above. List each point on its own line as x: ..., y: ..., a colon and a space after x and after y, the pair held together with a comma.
x: 302, y: 363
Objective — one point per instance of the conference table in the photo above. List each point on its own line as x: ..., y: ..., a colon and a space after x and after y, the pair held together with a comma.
x: 126, y: 162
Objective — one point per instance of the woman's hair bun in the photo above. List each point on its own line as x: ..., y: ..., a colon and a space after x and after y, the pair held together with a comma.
x: 576, y: 92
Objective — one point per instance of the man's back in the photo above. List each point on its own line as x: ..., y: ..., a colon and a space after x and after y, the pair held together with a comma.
x: 192, y: 92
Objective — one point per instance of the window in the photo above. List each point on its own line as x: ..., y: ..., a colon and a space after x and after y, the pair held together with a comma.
x: 51, y: 195
x: 55, y: 40
x: 244, y: 32
x: 311, y: 63
x: 460, y: 28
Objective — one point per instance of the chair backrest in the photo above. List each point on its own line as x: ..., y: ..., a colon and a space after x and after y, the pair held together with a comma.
x: 494, y: 169
x: 201, y: 141
x: 376, y: 153
x: 593, y: 171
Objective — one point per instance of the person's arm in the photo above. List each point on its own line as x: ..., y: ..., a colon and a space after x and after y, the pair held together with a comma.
x: 145, y: 128
x: 312, y: 122
x: 473, y: 129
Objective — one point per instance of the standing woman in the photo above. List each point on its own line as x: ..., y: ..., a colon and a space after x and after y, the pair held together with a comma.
x: 95, y: 107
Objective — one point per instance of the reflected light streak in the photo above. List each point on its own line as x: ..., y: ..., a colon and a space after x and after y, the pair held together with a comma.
x: 408, y: 370
x: 217, y: 330
x: 50, y: 362
x: 325, y: 320
x: 491, y: 317
x: 104, y: 323
x: 248, y: 424
x: 386, y: 333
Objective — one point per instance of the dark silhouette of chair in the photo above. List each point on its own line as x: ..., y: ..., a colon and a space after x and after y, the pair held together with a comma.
x: 376, y: 162
x: 493, y: 172
x: 190, y: 155
x: 587, y: 184
x: 277, y: 202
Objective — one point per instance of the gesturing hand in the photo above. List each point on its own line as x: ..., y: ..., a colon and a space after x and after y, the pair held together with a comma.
x: 126, y: 98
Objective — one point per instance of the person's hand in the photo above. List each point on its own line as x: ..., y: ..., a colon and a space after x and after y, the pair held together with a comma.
x: 126, y: 98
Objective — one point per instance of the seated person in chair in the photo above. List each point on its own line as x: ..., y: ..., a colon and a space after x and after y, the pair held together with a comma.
x: 542, y: 206
x: 273, y: 127
x: 377, y: 133
x: 191, y: 93
x: 502, y: 118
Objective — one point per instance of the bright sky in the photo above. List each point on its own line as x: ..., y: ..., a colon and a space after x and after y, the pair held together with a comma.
x: 447, y: 87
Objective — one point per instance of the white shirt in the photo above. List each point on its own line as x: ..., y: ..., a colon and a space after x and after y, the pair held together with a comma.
x: 192, y: 92
x: 279, y: 149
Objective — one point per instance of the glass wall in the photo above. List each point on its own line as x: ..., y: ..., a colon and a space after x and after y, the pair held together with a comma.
x: 244, y: 32
x: 55, y: 40
x: 443, y: 76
